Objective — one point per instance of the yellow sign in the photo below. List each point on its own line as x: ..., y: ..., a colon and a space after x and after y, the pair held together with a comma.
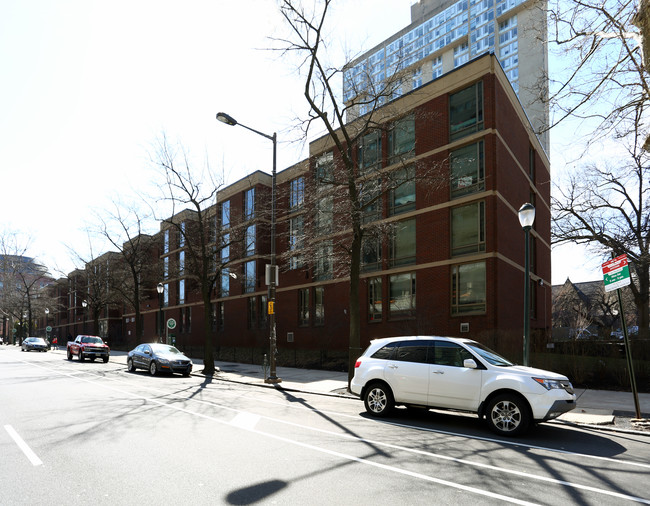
x: 271, y: 308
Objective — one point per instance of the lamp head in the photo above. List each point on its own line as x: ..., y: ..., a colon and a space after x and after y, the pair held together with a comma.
x: 227, y: 119
x: 527, y: 216
x: 160, y: 288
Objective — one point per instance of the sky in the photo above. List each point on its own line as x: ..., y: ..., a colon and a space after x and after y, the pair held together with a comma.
x: 89, y: 87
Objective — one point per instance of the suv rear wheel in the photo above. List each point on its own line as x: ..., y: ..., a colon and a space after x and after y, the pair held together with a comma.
x: 378, y: 399
x: 508, y: 415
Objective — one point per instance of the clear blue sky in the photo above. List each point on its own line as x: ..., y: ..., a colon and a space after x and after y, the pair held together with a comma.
x: 88, y: 86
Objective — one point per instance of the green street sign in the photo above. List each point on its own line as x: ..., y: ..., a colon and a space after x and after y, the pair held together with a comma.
x: 616, y: 273
x: 48, y: 328
x: 171, y: 324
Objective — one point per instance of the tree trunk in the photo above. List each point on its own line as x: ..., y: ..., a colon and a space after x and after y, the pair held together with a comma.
x: 208, y: 352
x: 355, y: 303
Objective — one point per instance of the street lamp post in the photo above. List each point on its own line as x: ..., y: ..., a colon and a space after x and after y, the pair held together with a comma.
x: 229, y: 120
x: 47, y: 314
x: 84, y: 304
x: 160, y: 288
x: 526, y: 219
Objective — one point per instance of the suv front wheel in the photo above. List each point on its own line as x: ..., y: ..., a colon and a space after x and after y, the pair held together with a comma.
x: 378, y: 399
x: 508, y: 415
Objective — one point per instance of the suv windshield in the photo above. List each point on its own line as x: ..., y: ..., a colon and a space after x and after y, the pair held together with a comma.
x: 488, y: 355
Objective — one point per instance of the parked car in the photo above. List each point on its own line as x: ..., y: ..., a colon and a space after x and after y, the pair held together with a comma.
x: 458, y: 374
x: 33, y: 343
x: 156, y: 358
x: 88, y: 347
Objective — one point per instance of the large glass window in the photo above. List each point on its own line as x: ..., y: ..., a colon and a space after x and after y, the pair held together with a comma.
x: 296, y: 192
x: 303, y: 306
x: 468, y: 229
x: 370, y: 151
x: 466, y: 111
x: 371, y: 254
x: 325, y: 169
x: 249, y: 276
x: 251, y: 237
x: 181, y: 236
x: 467, y: 170
x: 401, y: 139
x: 296, y: 238
x: 166, y: 267
x: 402, y: 294
x: 225, y: 214
x: 402, y: 244
x: 468, y: 290
x: 166, y: 241
x: 319, y: 305
x: 370, y: 198
x: 323, y: 265
x: 225, y: 249
x: 249, y: 204
x: 324, y: 215
x: 252, y: 312
x: 181, y: 263
x: 225, y: 283
x: 402, y: 197
x: 181, y: 291
x: 374, y: 300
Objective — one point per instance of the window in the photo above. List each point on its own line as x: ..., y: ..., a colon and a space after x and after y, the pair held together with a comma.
x: 402, y: 244
x: 323, y: 264
x: 412, y: 351
x: 166, y: 296
x: 250, y: 240
x: 225, y: 283
x: 181, y: 263
x: 325, y: 169
x: 417, y: 78
x: 402, y: 197
x: 181, y: 291
x: 371, y: 254
x: 214, y: 319
x: 225, y: 249
x: 166, y: 267
x: 401, y: 139
x: 449, y: 354
x: 324, y: 215
x: 370, y: 200
x: 467, y: 170
x: 468, y: 229
x: 466, y: 111
x: 296, y: 193
x: 374, y: 300
x: 186, y: 320
x: 225, y: 214
x: 166, y: 242
x: 252, y: 312
x: 531, y: 164
x: 303, y: 306
x: 263, y: 310
x: 221, y: 315
x: 181, y: 236
x: 319, y: 305
x: 249, y: 204
x: 296, y: 238
x: 369, y: 156
x: 402, y: 295
x: 249, y: 276
x: 468, y: 290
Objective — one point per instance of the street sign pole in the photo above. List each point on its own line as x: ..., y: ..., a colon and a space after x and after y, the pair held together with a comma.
x: 616, y: 275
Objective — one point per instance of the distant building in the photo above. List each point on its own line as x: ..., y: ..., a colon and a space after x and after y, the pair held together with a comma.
x: 446, y: 34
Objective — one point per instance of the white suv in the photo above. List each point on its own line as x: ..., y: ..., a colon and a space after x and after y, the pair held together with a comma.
x: 459, y: 374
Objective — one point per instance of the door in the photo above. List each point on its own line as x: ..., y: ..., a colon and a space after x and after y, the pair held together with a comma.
x: 408, y: 372
x: 450, y: 384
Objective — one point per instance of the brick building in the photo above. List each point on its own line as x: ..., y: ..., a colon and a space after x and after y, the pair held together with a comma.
x: 451, y: 260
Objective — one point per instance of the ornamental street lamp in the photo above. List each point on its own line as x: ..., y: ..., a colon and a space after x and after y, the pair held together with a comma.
x: 47, y: 314
x: 84, y: 304
x: 160, y: 288
x: 527, y: 218
x: 229, y: 120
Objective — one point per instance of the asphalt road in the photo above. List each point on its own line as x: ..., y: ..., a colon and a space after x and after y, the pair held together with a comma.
x: 92, y: 433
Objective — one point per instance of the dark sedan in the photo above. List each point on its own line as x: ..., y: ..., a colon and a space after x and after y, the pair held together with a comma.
x: 34, y: 343
x: 157, y: 358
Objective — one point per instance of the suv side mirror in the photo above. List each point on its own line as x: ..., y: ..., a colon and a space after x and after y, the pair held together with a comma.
x: 470, y: 363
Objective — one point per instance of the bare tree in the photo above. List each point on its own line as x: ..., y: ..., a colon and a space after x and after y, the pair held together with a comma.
x: 192, y: 195
x: 355, y: 183
x: 124, y: 229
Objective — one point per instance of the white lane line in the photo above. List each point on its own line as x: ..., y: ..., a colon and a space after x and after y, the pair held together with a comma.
x: 521, y: 474
x: 23, y: 446
x: 245, y: 420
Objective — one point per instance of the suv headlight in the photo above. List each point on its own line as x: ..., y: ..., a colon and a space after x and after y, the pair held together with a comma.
x: 549, y: 384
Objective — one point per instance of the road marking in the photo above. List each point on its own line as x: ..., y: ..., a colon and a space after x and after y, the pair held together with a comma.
x: 245, y: 420
x: 23, y: 446
x: 450, y: 484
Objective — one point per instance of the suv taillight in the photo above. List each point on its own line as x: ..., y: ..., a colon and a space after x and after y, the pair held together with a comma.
x: 357, y: 364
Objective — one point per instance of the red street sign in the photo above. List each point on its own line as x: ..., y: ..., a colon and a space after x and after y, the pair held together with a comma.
x: 616, y: 273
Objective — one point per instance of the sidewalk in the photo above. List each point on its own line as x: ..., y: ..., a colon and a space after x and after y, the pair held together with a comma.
x: 603, y: 408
